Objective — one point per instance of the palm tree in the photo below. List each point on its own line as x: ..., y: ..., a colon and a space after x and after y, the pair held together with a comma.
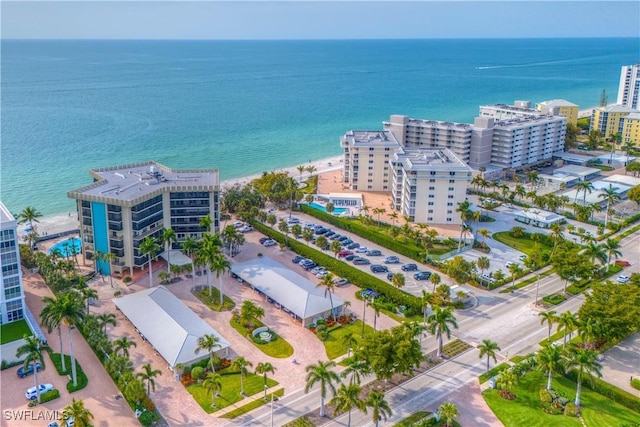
x: 549, y: 359
x: 515, y: 270
x: 376, y: 306
x: 583, y: 361
x: 394, y: 217
x: 398, y: 280
x: 168, y: 238
x: 483, y: 264
x: 105, y: 319
x: 567, y: 322
x: 87, y: 294
x: 150, y: 248
x: 349, y: 340
x: 123, y: 344
x: 205, y: 222
x: 311, y: 169
x: 380, y: 408
x: 190, y: 248
x: 147, y: 375
x: 612, y: 247
x: 595, y: 251
x: 81, y: 416
x: 240, y: 364
x: 346, y: 398
x: 329, y: 286
x: 109, y: 258
x: 29, y: 215
x: 208, y: 255
x: 265, y: 368
x: 488, y: 348
x: 208, y: 343
x: 436, y: 279
x: 33, y: 355
x: 448, y: 411
x: 301, y: 169
x: 355, y: 369
x: 550, y: 318
x: 438, y: 324
x: 323, y: 374
x: 464, y: 208
x: 213, y: 385
x: 220, y: 265
x: 556, y: 234
x: 610, y: 195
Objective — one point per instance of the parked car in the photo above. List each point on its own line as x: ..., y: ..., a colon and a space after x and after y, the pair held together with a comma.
x: 373, y: 252
x: 509, y: 264
x: 361, y: 250
x: 349, y: 257
x: 522, y: 257
x: 622, y: 263
x: 347, y: 242
x: 623, y: 279
x: 422, y: 275
x: 296, y: 259
x: 341, y: 281
x: 353, y: 245
x: 392, y: 260
x: 360, y: 261
x: 31, y: 394
x: 293, y: 220
x: 321, y: 230
x: 269, y: 243
x: 329, y: 233
x: 335, y: 237
x: 245, y: 229
x: 309, y: 266
x: 318, y: 269
x: 238, y: 224
x: 390, y: 275
x: 321, y: 274
x: 22, y: 372
x: 343, y: 253
x: 310, y: 225
x: 263, y: 239
x: 377, y: 268
x: 409, y: 267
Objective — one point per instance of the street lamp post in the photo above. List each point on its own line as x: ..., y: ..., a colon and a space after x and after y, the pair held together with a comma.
x: 364, y: 309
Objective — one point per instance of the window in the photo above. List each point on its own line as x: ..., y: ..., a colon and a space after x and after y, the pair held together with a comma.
x: 450, y: 196
x: 449, y: 212
x: 432, y: 180
x: 452, y: 173
x: 433, y: 172
x: 451, y: 188
x: 432, y: 196
x: 430, y: 218
x: 449, y: 219
x: 432, y: 188
x: 452, y: 181
x: 449, y: 203
x: 430, y: 211
x: 430, y: 203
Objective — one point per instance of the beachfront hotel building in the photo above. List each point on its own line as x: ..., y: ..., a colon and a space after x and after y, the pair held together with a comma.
x: 629, y: 87
x: 608, y: 120
x: 560, y: 107
x: 366, y: 159
x: 428, y: 183
x: 631, y: 128
x: 125, y: 204
x: 12, y: 306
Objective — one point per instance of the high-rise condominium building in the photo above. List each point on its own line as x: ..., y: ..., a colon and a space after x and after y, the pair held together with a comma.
x: 609, y: 120
x: 12, y: 296
x: 366, y: 159
x: 629, y: 88
x: 128, y: 203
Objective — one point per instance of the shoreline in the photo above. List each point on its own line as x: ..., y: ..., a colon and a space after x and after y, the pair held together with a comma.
x: 60, y: 222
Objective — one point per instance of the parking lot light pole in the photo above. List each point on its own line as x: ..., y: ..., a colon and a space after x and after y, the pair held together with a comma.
x: 364, y: 309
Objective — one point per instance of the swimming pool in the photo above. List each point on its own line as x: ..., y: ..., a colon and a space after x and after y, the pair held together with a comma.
x: 321, y: 208
x: 67, y: 247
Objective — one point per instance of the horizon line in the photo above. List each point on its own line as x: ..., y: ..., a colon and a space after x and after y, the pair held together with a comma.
x: 537, y: 37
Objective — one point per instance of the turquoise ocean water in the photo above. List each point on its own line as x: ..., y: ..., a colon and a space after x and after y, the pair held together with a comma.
x: 250, y: 106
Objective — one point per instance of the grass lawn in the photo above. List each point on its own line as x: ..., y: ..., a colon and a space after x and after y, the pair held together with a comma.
x: 525, y: 409
x: 529, y: 281
x: 333, y: 344
x: 279, y: 348
x: 412, y: 419
x: 81, y: 377
x: 253, y: 405
x: 14, y: 331
x: 524, y: 245
x: 213, y: 301
x: 492, y: 372
x: 230, y: 393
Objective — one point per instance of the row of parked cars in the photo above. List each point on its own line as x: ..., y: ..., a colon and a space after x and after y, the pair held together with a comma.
x: 315, y: 269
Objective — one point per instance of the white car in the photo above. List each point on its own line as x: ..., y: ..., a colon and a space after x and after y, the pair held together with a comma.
x: 293, y: 220
x: 522, y: 257
x: 623, y: 279
x: 245, y: 229
x: 269, y: 243
x: 361, y: 250
x: 31, y: 394
x: 509, y: 264
x: 238, y: 224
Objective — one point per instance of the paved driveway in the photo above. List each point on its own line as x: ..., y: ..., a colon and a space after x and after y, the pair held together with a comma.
x: 623, y: 362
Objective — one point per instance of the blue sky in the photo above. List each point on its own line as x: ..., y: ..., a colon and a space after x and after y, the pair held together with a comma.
x: 318, y: 19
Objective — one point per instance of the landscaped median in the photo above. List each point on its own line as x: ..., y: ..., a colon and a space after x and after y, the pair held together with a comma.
x: 81, y: 377
x: 277, y: 347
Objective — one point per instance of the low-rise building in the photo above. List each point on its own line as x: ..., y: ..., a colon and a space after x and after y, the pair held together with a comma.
x: 608, y: 120
x: 630, y: 125
x: 560, y: 107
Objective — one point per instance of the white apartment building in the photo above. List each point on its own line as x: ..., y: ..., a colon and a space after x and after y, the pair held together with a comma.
x: 12, y: 306
x: 366, y: 159
x: 506, y: 112
x: 428, y: 183
x: 629, y: 88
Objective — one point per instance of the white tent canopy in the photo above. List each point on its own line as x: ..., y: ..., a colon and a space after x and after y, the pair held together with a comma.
x: 168, y: 324
x: 175, y: 257
x: 287, y: 288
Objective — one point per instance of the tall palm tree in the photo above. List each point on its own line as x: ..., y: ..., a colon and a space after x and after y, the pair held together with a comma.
x: 556, y: 234
x: 585, y: 187
x: 610, y: 195
x: 329, y: 286
x: 81, y: 416
x: 123, y: 344
x: 213, y: 384
x: 150, y: 248
x: 355, y: 369
x: 595, y: 251
x: 208, y: 343
x: 394, y: 217
x: 208, y: 254
x: 380, y: 408
x: 147, y: 375
x: 240, y: 364
x: 490, y: 349
x: 323, y: 374
x: 549, y: 359
x: 265, y: 368
x: 105, y: 319
x: 346, y: 398
x: 449, y: 412
x: 168, y: 238
x: 464, y: 208
x: 301, y: 169
x: 376, y: 306
x: 436, y: 279
x: 483, y: 264
x: 220, y: 266
x: 87, y: 294
x: 349, y: 340
x: 548, y: 317
x: 311, y: 169
x: 33, y: 355
x: 583, y: 361
x: 109, y: 258
x: 29, y: 215
x: 205, y: 222
x: 612, y: 247
x: 98, y: 257
x: 567, y: 322
x: 439, y: 324
x: 50, y: 318
x: 398, y: 280
x: 190, y: 248
x: 515, y: 270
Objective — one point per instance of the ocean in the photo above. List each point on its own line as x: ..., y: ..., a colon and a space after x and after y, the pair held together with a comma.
x: 252, y: 106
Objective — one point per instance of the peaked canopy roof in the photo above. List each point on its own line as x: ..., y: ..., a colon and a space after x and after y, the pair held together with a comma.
x: 168, y: 324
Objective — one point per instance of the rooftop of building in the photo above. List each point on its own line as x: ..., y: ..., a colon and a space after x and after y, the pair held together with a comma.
x: 633, y: 116
x: 557, y: 103
x: 527, y: 120
x: 383, y: 138
x: 5, y: 216
x: 440, y: 124
x: 417, y: 158
x: 616, y: 108
x: 576, y: 170
x: 513, y: 108
x: 134, y: 181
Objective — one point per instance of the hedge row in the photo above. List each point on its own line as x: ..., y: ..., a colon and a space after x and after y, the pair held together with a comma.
x: 49, y: 395
x: 342, y: 269
x: 608, y: 390
x: 412, y: 251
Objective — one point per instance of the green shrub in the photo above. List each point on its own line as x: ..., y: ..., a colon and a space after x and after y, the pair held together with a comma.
x: 147, y: 418
x: 197, y: 373
x: 635, y: 383
x: 49, y: 395
x: 608, y: 390
x: 570, y: 410
x: 545, y: 396
x: 126, y: 279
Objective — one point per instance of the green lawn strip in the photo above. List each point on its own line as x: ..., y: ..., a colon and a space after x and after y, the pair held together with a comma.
x: 528, y: 281
x: 412, y: 419
x: 310, y: 186
x: 576, y: 288
x: 519, y: 358
x: 333, y: 344
x: 492, y: 372
x: 526, y: 409
x: 524, y: 245
x: 454, y: 348
x: 81, y: 377
x: 230, y: 392
x: 554, y: 299
x: 213, y: 301
x: 278, y: 347
x: 300, y: 422
x: 253, y: 405
x: 14, y: 331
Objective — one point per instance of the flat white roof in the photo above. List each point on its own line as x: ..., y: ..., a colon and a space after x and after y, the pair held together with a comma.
x: 576, y: 170
x: 540, y: 215
x: 168, y: 324
x: 345, y: 195
x: 294, y: 292
x: 175, y: 257
x: 623, y: 179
